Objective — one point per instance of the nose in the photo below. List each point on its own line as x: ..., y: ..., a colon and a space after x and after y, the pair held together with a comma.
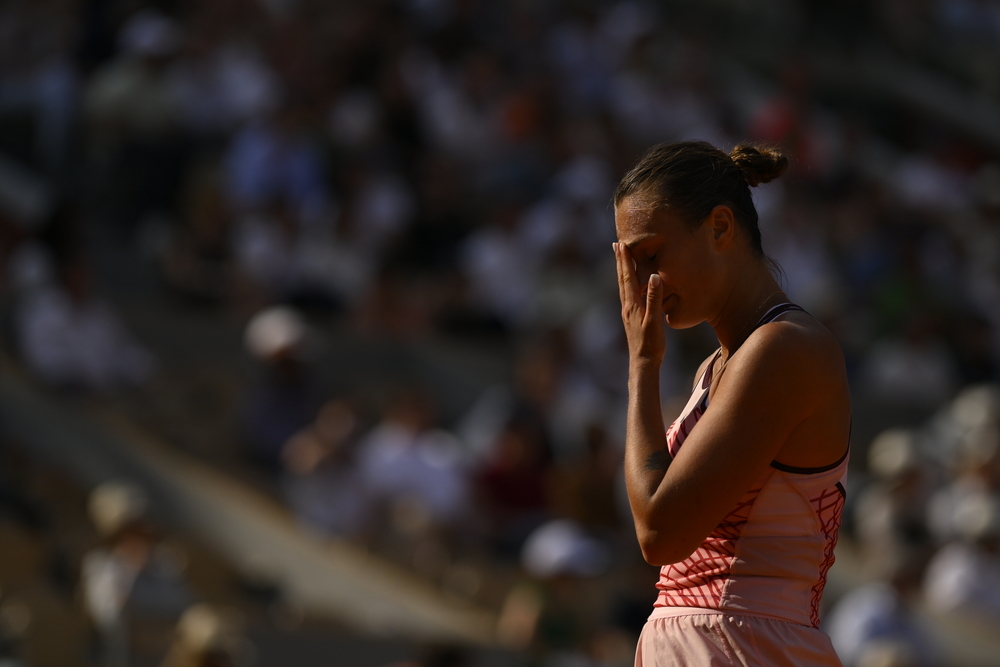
x: 642, y: 273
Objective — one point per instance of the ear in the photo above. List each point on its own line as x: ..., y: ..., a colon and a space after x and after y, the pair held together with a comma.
x: 722, y: 224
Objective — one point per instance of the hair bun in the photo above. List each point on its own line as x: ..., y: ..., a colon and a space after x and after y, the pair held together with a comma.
x: 759, y: 164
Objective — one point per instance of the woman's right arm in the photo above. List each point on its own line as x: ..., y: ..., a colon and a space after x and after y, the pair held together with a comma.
x: 778, y: 380
x: 646, y: 454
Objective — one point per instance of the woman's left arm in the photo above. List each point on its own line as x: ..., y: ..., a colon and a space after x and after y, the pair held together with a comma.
x: 776, y: 383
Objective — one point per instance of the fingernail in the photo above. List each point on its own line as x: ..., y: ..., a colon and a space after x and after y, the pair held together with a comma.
x: 654, y: 280
x: 614, y: 246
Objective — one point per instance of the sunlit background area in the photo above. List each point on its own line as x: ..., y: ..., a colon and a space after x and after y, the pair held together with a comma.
x: 310, y: 346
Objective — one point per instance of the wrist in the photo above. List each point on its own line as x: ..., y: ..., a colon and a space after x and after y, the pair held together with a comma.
x: 645, y: 361
x: 643, y: 366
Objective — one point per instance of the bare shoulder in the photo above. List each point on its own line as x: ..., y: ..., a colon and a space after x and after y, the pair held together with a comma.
x: 799, y: 332
x: 795, y: 351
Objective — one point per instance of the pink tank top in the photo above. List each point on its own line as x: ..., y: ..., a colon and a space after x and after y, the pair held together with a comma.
x: 771, y: 554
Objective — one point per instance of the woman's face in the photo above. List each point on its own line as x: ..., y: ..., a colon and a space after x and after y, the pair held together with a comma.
x: 659, y: 241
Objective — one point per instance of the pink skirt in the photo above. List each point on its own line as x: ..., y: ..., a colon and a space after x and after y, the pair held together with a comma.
x: 692, y: 637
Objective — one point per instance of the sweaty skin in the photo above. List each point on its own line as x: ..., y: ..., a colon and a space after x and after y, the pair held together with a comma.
x: 783, y: 398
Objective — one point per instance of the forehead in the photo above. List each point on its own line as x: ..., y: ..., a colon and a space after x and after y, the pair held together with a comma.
x: 637, y: 218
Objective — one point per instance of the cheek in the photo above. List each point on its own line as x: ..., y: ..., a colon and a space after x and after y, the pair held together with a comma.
x: 645, y: 268
x: 678, y: 271
x: 670, y: 264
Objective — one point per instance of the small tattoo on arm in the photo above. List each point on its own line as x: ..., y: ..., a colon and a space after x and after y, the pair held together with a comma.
x: 658, y: 460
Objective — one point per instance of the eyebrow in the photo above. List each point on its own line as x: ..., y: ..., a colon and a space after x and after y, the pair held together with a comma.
x: 639, y: 241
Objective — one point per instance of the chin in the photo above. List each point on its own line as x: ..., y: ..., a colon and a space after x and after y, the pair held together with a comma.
x: 680, y: 322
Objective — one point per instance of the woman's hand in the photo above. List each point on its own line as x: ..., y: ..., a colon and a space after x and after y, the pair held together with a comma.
x: 643, y: 317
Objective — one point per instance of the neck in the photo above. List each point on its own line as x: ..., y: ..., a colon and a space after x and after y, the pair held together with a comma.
x: 748, y: 299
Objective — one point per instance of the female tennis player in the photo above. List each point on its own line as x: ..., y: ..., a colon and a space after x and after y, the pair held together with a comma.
x: 740, y: 499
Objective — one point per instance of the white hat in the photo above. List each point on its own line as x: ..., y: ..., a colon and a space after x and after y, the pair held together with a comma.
x: 976, y: 405
x: 203, y: 627
x: 977, y: 516
x: 562, y: 547
x: 892, y: 452
x: 114, y: 504
x: 275, y: 330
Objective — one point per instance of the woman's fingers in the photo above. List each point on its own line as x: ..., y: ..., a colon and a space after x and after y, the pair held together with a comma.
x: 618, y: 272
x: 642, y: 317
x: 622, y: 291
x: 653, y: 298
x: 627, y: 286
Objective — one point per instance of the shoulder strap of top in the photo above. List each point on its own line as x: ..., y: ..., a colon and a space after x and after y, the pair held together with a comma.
x: 706, y: 377
x: 776, y: 311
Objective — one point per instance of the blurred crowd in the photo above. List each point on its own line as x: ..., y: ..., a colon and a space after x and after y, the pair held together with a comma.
x: 926, y: 519
x: 428, y: 170
x: 92, y: 578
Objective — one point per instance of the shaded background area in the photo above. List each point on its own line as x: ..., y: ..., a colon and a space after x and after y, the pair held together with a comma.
x: 311, y: 350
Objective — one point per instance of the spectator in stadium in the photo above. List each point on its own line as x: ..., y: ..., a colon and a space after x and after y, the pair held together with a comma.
x: 133, y: 585
x: 71, y: 338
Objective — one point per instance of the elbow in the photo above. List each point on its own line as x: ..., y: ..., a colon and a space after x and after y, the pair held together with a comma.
x: 661, y: 549
x: 652, y: 555
x: 659, y: 556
